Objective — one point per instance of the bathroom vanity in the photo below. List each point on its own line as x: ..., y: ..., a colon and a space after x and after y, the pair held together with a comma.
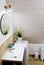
x: 13, y: 57
x: 17, y: 55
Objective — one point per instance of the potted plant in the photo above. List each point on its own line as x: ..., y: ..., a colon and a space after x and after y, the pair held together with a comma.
x: 19, y: 34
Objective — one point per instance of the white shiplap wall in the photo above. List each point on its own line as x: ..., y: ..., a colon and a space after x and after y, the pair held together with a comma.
x: 30, y: 15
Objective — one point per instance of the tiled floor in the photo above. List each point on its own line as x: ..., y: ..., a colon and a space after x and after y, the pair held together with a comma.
x: 32, y: 61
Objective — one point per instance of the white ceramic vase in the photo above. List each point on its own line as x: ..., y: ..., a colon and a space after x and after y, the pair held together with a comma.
x: 19, y: 38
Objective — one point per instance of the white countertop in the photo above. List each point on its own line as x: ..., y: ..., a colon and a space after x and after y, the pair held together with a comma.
x: 22, y: 43
x: 18, y: 52
x: 10, y: 55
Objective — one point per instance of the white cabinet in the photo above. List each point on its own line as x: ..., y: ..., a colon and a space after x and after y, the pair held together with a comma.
x: 42, y: 52
x: 18, y: 53
x: 23, y: 44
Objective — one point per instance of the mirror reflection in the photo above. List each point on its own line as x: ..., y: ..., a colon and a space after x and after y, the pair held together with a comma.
x: 5, y: 23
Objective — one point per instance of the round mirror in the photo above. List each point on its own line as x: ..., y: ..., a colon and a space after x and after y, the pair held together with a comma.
x: 5, y: 23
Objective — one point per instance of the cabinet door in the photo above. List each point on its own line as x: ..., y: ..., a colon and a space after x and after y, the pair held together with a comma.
x: 11, y: 63
x: 7, y: 63
x: 17, y: 63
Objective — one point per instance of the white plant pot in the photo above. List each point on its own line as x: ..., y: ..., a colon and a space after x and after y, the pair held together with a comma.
x: 19, y: 38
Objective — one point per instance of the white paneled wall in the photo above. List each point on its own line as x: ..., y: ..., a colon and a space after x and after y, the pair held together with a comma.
x: 30, y: 15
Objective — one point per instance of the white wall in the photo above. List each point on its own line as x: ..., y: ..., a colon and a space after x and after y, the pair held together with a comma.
x: 30, y: 15
x: 2, y: 3
x: 4, y: 37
